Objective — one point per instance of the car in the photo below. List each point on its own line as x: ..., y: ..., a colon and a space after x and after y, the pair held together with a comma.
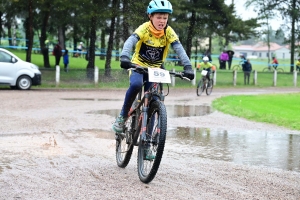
x: 17, y: 73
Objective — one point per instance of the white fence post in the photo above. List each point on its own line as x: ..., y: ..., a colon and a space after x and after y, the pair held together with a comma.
x: 194, y: 80
x: 96, y: 75
x: 275, y: 78
x: 234, y: 77
x: 215, y: 77
x: 255, y: 77
x: 295, y: 77
x: 173, y: 78
x: 57, y: 75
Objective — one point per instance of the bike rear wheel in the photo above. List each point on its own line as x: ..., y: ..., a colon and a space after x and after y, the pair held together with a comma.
x: 210, y: 87
x: 154, y: 143
x: 200, y: 88
x: 124, y: 143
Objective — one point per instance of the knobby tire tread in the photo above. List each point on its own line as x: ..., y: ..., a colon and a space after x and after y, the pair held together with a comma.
x: 200, y: 87
x: 160, y: 107
x: 124, y: 162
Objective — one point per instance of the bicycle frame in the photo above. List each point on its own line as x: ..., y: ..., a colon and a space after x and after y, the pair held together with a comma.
x: 143, y: 103
x: 146, y: 127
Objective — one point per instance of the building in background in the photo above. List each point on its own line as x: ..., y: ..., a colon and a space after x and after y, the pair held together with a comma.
x: 260, y: 50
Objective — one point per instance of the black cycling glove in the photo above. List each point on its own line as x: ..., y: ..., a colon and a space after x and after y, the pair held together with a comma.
x: 188, y: 72
x: 125, y: 62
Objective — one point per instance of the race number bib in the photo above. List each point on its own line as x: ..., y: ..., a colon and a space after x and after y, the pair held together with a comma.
x: 159, y: 75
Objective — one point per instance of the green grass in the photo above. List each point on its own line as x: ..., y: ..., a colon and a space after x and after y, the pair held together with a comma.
x: 280, y: 109
x: 76, y: 78
x: 276, y: 109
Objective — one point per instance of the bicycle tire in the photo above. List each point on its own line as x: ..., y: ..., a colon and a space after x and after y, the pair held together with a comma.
x: 200, y: 87
x: 279, y: 70
x: 267, y: 69
x: 236, y: 67
x: 157, y: 122
x: 209, y: 89
x: 124, y: 143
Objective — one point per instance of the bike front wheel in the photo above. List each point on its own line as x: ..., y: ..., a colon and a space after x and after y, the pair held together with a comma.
x: 236, y: 67
x: 151, y: 148
x: 200, y: 88
x: 267, y: 69
x: 210, y: 87
x: 124, y: 143
x: 279, y: 70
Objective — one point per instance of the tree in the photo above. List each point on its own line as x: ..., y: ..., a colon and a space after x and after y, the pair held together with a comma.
x: 289, y: 10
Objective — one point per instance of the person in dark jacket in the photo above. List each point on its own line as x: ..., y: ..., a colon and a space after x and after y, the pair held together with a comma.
x: 66, y: 60
x: 247, y: 69
x: 230, y: 56
x: 57, y: 53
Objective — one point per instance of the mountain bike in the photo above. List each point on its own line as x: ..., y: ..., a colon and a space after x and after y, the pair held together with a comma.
x: 204, y: 84
x: 272, y: 68
x: 145, y: 127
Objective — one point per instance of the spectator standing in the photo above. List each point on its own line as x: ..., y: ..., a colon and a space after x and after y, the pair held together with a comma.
x: 79, y: 49
x: 66, y: 60
x: 298, y: 64
x: 223, y: 59
x: 57, y: 53
x: 247, y: 69
x: 230, y: 56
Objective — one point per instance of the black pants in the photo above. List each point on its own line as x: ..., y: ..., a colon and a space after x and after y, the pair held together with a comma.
x: 246, y: 77
x: 222, y: 64
x: 229, y: 64
x: 57, y: 60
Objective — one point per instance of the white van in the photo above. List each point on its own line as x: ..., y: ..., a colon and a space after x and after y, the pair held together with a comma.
x: 17, y: 73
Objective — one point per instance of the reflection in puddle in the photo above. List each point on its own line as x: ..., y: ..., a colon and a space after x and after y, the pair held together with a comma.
x: 172, y: 111
x: 253, y: 148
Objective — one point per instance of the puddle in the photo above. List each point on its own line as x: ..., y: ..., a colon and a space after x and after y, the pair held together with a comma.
x: 248, y: 148
x: 89, y: 99
x: 172, y: 111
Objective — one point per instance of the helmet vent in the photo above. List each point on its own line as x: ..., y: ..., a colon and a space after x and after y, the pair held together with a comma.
x: 163, y: 3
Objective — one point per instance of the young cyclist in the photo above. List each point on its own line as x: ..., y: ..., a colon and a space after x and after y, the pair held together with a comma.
x: 207, y: 66
x: 274, y: 62
x: 151, y: 41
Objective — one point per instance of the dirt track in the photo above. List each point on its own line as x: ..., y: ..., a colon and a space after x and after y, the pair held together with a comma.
x: 53, y: 147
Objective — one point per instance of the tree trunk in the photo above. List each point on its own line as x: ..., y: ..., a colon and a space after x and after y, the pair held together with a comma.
x: 103, y: 46
x: 293, y: 36
x: 91, y: 57
x: 118, y: 36
x: 111, y: 39
x: 125, y: 23
x: 45, y: 46
x: 29, y: 31
x: 190, y: 34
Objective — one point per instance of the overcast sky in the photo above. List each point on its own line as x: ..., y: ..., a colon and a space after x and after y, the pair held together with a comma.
x: 248, y: 13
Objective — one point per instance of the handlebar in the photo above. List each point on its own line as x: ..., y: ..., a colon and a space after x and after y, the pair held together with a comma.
x: 144, y: 70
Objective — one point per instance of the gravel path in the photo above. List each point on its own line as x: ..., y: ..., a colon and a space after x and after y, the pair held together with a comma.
x: 53, y: 147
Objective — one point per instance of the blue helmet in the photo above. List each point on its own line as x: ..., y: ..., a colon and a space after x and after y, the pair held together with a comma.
x: 159, y: 6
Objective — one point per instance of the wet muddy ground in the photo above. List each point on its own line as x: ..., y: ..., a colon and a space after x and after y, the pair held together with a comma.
x: 58, y: 144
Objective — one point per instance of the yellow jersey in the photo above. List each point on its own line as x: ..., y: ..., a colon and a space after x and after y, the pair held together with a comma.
x: 151, y: 51
x: 205, y: 65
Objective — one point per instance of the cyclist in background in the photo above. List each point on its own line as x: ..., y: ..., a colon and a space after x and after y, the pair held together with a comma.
x: 274, y: 62
x: 206, y: 65
x: 151, y: 41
